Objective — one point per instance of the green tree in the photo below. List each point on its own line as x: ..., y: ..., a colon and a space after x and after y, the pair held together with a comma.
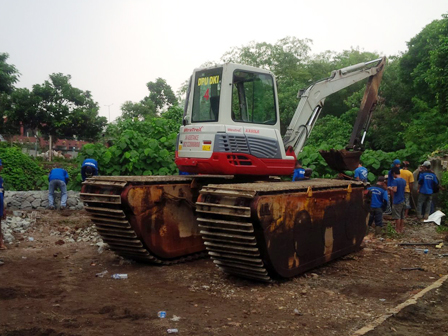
x: 424, y: 66
x: 160, y: 97
x: 9, y: 75
x: 174, y: 114
x: 62, y: 110
x: 161, y: 94
x: 20, y: 109
x: 141, y: 110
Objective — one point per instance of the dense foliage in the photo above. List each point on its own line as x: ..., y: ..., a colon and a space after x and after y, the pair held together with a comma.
x: 20, y: 171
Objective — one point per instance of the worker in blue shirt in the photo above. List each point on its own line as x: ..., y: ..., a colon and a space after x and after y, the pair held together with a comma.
x: 58, y: 178
x: 427, y: 180
x: 398, y: 187
x: 361, y: 173
x: 89, y: 168
x: 299, y: 172
x: 379, y: 201
x: 390, y: 176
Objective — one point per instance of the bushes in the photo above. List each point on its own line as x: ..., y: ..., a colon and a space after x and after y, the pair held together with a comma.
x: 20, y: 171
x: 139, y: 148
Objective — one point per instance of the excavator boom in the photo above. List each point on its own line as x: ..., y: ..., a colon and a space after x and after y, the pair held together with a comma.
x: 311, y: 104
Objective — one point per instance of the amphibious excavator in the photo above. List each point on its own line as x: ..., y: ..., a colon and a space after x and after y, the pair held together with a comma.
x: 232, y: 205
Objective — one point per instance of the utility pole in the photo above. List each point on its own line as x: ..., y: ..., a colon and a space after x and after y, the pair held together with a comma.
x: 109, y: 110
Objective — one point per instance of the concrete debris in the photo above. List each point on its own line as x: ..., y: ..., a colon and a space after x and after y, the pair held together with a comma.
x: 21, y: 226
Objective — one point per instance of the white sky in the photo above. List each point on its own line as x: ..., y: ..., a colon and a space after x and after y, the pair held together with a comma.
x: 114, y: 47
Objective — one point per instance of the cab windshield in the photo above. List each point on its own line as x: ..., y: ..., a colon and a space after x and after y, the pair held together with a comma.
x: 253, y: 98
x: 207, y: 90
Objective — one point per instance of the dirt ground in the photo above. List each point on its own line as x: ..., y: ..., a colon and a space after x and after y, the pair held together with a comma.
x: 49, y: 288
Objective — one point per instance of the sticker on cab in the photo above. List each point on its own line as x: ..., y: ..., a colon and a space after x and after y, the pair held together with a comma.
x: 207, y: 147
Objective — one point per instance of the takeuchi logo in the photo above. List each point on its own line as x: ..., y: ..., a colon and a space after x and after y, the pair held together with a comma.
x: 193, y: 129
x: 234, y: 130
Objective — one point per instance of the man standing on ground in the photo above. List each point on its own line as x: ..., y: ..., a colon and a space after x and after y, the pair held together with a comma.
x: 398, y: 186
x: 89, y: 168
x: 361, y: 173
x: 58, y: 179
x: 427, y: 180
x: 409, y: 178
x: 379, y: 200
x: 390, y: 178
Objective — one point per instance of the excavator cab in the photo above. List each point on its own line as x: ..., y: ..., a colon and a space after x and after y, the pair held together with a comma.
x: 231, y: 124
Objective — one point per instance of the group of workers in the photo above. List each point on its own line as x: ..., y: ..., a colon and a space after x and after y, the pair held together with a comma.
x: 394, y: 191
x: 58, y: 179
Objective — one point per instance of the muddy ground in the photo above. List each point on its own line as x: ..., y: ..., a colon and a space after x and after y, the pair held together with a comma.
x: 49, y: 288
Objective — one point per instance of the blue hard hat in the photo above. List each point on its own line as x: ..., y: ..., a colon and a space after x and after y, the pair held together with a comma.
x: 396, y: 161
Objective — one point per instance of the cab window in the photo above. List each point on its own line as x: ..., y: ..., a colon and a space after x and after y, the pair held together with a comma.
x: 253, y: 98
x: 207, y: 90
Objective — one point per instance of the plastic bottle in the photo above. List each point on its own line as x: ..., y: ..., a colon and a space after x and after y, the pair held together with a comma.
x: 161, y: 314
x: 172, y: 331
x: 120, y: 276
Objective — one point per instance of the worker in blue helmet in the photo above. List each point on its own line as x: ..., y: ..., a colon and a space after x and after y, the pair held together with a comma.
x: 390, y: 179
x: 89, y: 168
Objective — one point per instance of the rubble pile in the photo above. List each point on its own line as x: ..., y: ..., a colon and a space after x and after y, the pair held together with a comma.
x: 17, y: 224
x: 75, y: 235
x: 22, y: 226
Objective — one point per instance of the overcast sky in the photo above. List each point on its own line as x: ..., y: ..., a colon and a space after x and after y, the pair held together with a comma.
x: 113, y: 48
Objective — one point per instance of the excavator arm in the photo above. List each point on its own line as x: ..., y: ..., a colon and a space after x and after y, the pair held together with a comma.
x: 312, y: 101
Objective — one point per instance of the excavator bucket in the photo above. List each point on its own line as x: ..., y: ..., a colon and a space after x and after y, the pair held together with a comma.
x: 341, y: 160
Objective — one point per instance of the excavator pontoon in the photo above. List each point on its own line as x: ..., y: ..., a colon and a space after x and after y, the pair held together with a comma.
x: 232, y: 204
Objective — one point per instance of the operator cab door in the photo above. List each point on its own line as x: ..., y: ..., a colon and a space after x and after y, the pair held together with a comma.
x: 253, y: 98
